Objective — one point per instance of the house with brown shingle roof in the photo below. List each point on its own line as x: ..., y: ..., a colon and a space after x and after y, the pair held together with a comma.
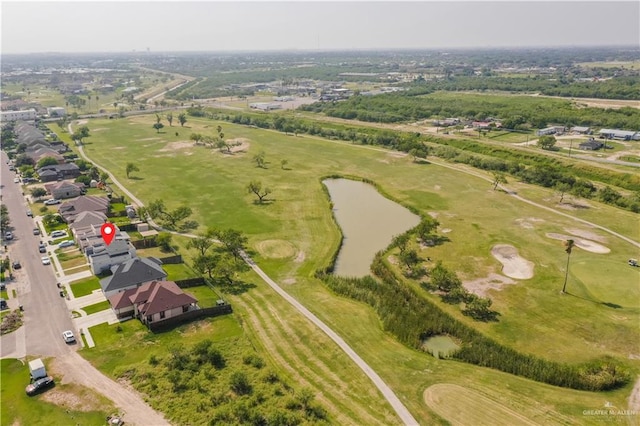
x: 62, y: 190
x: 87, y: 203
x: 153, y: 301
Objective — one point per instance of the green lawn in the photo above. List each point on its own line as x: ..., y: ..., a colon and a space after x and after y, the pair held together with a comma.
x: 96, y: 307
x: 206, y: 297
x: 534, y: 319
x: 4, y: 294
x: 18, y: 408
x: 178, y: 271
x: 85, y: 286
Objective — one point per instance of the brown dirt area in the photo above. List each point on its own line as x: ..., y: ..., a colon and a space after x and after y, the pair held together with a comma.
x: 493, y: 281
x: 528, y: 222
x: 587, y: 245
x: 513, y: 265
x: 174, y: 146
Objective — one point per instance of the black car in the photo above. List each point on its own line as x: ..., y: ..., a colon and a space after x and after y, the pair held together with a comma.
x: 39, y: 385
x: 42, y: 248
x: 16, y: 265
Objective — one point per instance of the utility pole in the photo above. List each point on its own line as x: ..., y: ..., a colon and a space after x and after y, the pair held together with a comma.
x: 570, y: 146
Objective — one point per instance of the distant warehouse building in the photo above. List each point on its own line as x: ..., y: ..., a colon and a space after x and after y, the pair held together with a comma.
x: 56, y: 111
x: 625, y: 135
x: 22, y: 115
x: 581, y: 130
x: 551, y: 130
x: 265, y: 106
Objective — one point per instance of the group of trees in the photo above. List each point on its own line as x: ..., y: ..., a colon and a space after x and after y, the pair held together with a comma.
x: 81, y: 133
x: 219, y: 254
x: 182, y: 119
x: 217, y: 141
x: 175, y: 219
x: 451, y: 291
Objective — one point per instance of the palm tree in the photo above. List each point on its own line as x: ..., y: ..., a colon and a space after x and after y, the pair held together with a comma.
x: 568, y: 245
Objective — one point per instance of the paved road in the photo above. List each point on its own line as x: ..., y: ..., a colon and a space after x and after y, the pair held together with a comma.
x: 46, y: 315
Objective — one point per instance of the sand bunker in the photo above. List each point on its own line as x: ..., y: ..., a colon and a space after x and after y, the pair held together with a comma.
x: 586, y: 234
x: 445, y: 230
x: 581, y: 243
x: 481, y: 286
x: 513, y: 265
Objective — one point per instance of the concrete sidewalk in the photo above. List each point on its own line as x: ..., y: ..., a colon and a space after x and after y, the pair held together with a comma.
x: 77, y: 303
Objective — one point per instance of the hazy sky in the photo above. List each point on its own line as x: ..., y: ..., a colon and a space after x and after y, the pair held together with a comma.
x: 124, y: 26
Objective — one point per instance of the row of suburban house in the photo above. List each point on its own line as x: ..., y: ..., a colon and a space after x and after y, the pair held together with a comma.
x: 137, y: 286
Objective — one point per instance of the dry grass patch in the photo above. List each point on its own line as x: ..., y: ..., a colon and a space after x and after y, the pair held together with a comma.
x: 493, y: 281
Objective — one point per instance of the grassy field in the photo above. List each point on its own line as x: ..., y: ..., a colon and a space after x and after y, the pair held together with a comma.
x: 534, y: 319
x: 74, y: 404
x: 178, y: 271
x: 85, y: 286
x: 96, y: 307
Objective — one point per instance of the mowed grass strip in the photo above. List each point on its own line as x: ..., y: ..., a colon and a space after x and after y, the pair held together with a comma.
x: 96, y: 307
x: 461, y: 406
x: 307, y: 356
x: 85, y: 286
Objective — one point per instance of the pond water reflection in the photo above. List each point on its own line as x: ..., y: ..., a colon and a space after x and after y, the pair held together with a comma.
x: 368, y: 221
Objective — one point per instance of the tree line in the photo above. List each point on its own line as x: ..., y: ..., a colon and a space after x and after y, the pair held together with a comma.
x: 515, y: 112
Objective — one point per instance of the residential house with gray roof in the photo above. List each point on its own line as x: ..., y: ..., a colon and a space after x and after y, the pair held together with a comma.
x: 132, y: 274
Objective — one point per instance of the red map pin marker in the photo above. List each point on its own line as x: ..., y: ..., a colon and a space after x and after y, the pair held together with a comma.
x: 108, y: 231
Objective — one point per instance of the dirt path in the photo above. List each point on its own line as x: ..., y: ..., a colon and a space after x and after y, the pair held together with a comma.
x: 76, y: 369
x: 634, y: 399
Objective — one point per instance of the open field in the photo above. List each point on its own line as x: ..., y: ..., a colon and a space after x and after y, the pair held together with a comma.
x: 213, y: 185
x: 59, y: 405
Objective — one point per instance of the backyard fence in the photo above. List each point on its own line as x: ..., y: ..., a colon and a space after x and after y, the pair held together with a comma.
x: 190, y: 316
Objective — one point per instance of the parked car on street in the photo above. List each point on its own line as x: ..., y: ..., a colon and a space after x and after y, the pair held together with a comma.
x: 46, y: 260
x: 36, y: 231
x: 8, y: 236
x: 16, y: 265
x: 29, y: 213
x: 68, y: 336
x: 42, y: 248
x: 39, y: 385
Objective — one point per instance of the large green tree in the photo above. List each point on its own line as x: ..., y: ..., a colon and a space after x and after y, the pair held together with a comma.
x: 131, y: 167
x: 255, y: 187
x: 182, y: 119
x: 547, y: 142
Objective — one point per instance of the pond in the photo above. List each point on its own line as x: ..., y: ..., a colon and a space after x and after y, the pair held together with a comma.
x: 440, y: 346
x: 368, y: 221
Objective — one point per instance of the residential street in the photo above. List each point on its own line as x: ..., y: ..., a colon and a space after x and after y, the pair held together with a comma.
x: 46, y: 314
